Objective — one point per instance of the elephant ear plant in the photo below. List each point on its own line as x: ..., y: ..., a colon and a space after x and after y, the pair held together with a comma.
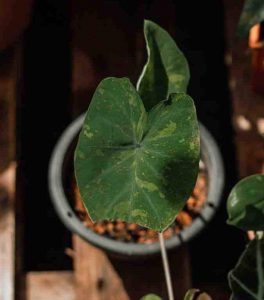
x: 246, y: 211
x: 138, y: 151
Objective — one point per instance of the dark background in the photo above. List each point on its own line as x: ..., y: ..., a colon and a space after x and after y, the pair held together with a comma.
x: 114, y: 41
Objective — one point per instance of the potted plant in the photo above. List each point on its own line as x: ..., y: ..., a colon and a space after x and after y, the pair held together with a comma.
x: 142, y: 146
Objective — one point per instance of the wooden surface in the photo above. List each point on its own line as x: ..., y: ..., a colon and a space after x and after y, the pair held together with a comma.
x: 99, y: 277
x: 50, y: 286
x: 7, y: 224
x: 95, y: 276
x: 8, y: 71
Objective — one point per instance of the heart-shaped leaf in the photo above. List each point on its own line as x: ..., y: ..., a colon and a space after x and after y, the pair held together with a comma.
x: 136, y: 166
x: 166, y: 70
x: 253, y: 13
x: 247, y: 278
x: 245, y: 204
x: 151, y: 297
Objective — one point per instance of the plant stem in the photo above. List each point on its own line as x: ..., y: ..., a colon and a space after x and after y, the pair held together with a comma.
x: 166, y: 266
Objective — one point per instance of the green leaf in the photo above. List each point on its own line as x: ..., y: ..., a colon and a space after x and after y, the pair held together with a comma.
x: 247, y: 278
x: 245, y: 204
x: 166, y: 70
x: 253, y: 13
x: 191, y: 294
x: 194, y: 294
x: 136, y: 166
x: 151, y: 297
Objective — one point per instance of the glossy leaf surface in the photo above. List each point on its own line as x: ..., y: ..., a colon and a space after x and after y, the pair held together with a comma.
x: 245, y: 205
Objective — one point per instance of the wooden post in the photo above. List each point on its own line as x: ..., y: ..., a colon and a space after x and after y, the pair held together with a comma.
x: 94, y: 275
x: 50, y: 285
x: 7, y: 239
x: 8, y: 75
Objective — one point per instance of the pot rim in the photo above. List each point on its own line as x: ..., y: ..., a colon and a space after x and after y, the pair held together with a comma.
x: 215, y: 170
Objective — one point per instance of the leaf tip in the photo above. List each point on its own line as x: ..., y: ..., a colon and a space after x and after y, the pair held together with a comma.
x: 148, y: 25
x: 148, y: 22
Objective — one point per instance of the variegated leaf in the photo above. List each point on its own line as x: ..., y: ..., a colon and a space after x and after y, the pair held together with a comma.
x: 136, y: 166
x: 166, y: 70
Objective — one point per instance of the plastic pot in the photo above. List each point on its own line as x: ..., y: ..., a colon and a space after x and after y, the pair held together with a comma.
x: 58, y: 165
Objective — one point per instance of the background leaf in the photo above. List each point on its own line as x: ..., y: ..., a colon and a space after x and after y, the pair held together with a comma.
x: 194, y: 294
x: 136, y: 166
x: 247, y: 278
x: 253, y: 13
x: 245, y: 204
x: 151, y: 297
x: 166, y: 70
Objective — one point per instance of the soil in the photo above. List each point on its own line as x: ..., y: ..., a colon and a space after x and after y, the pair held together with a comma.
x: 130, y: 232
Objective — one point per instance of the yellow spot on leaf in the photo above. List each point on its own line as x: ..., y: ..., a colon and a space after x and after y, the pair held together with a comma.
x: 168, y: 130
x: 176, y: 78
x: 149, y: 186
x: 139, y: 213
x: 101, y: 91
x: 88, y: 134
x: 131, y: 101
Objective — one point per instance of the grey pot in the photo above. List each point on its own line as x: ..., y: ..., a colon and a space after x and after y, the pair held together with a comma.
x: 210, y: 156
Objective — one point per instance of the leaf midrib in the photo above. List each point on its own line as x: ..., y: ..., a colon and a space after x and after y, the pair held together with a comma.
x: 134, y: 179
